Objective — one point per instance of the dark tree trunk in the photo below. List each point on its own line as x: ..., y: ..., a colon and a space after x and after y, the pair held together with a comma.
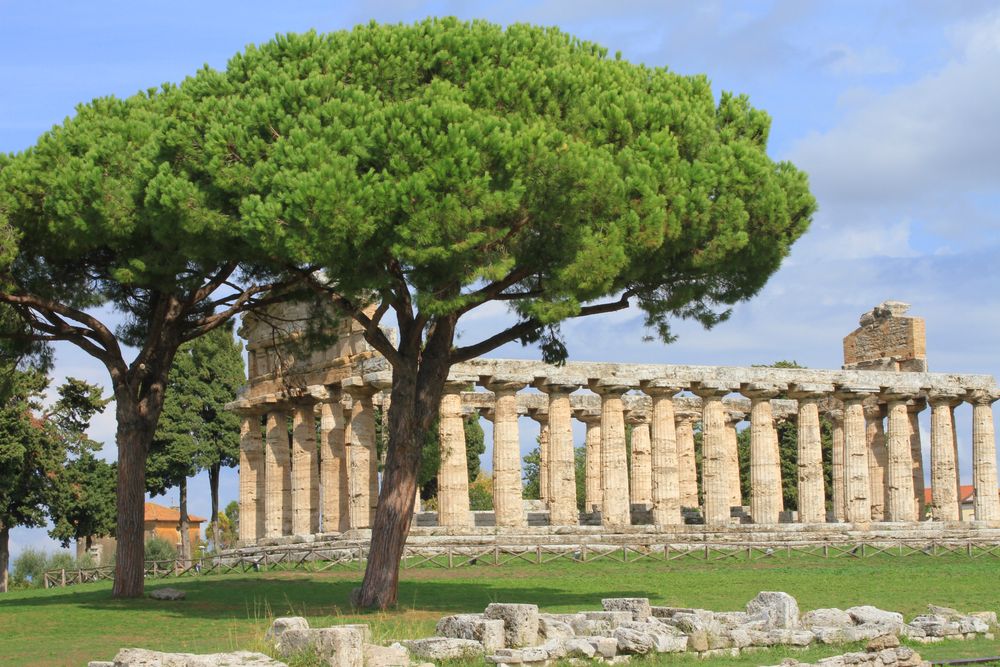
x: 4, y: 557
x: 213, y: 483
x: 185, y: 524
x: 134, y: 435
x: 417, y: 387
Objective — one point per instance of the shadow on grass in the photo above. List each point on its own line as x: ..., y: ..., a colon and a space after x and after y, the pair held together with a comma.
x: 274, y: 594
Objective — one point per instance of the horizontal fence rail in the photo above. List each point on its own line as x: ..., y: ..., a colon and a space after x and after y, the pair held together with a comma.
x: 323, y: 558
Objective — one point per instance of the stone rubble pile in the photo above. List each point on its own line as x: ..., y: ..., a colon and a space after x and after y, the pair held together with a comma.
x: 518, y: 634
x: 882, y: 651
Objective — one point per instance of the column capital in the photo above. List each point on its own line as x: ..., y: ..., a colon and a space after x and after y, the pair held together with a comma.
x: 487, y: 413
x: 835, y: 414
x: 457, y: 386
x: 944, y: 396
x: 809, y: 391
x: 897, y: 394
x: 757, y: 391
x: 503, y: 384
x: 734, y: 417
x: 710, y: 389
x: 357, y: 388
x: 556, y: 386
x: 916, y: 404
x: 981, y: 396
x: 668, y: 388
x: 636, y: 417
x: 611, y: 386
x: 853, y: 393
x: 540, y: 415
x: 587, y: 416
x: 685, y: 416
x: 873, y: 409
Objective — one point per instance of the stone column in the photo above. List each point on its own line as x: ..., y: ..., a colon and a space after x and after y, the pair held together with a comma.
x: 913, y: 408
x: 984, y: 455
x: 812, y: 498
x: 857, y: 487
x: 541, y: 417
x: 507, y: 503
x: 714, y: 481
x: 592, y: 481
x: 334, y: 465
x: 641, y: 481
x: 665, y: 492
x: 362, y: 455
x: 944, y: 490
x: 733, y: 417
x: 453, y: 470
x: 615, y: 509
x: 687, y: 468
x: 305, y: 470
x: 277, y: 477
x: 837, y: 464
x: 562, y: 463
x: 878, y: 458
x: 252, y: 479
x: 899, y: 471
x: 765, y: 461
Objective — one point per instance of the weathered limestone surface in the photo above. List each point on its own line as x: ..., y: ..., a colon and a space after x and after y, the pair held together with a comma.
x: 812, y: 500
x: 887, y: 340
x: 733, y: 417
x: 899, y: 472
x: 641, y: 482
x: 984, y: 455
x: 362, y: 457
x: 592, y: 444
x: 278, y: 477
x: 562, y: 463
x: 665, y: 475
x: 486, y: 631
x: 943, y: 462
x: 507, y: 456
x: 520, y: 622
x: 913, y: 409
x: 615, y: 508
x: 334, y: 466
x: 453, y: 472
x: 714, y: 482
x: 765, y: 465
x: 305, y: 471
x: 252, y: 478
x: 857, y: 487
x: 687, y: 475
x: 837, y: 465
x: 878, y: 458
x: 140, y: 657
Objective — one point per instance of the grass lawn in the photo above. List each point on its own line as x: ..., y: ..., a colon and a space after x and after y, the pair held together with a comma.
x: 73, y: 625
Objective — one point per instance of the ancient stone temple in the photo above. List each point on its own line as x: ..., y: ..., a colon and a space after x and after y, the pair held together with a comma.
x: 309, y: 451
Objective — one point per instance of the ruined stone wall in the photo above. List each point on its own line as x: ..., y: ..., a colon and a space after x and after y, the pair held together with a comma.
x: 887, y: 340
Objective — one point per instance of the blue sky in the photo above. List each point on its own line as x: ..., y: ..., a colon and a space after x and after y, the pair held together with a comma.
x: 891, y: 107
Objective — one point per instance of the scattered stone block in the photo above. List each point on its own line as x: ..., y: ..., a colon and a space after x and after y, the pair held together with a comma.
x: 340, y: 646
x: 576, y: 647
x: 638, y: 607
x: 781, y: 608
x: 552, y: 628
x: 604, y: 647
x: 444, y: 648
x: 520, y: 623
x: 828, y: 618
x: 395, y: 655
x: 168, y: 594
x: 282, y: 623
x: 488, y: 632
x: 883, y: 642
x: 139, y: 657
x: 634, y: 641
x: 869, y: 614
x: 612, y: 618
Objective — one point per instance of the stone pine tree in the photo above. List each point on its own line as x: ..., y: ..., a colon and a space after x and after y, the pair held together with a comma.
x: 195, y: 431
x: 123, y: 208
x: 433, y: 169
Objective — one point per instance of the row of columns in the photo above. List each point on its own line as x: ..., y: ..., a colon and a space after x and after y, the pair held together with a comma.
x: 298, y: 485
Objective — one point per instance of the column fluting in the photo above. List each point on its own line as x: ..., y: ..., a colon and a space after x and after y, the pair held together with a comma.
x: 333, y: 469
x: 562, y: 464
x: 305, y: 470
x: 507, y: 503
x: 277, y: 476
x: 944, y: 490
x: 252, y: 478
x: 453, y: 470
x: 765, y: 462
x: 665, y: 492
x: 837, y: 464
x: 615, y: 509
x: 714, y: 481
x: 899, y: 469
x: 984, y: 455
x: 856, y: 483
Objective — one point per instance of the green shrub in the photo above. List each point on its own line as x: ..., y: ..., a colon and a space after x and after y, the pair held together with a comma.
x: 158, y: 548
x: 28, y: 568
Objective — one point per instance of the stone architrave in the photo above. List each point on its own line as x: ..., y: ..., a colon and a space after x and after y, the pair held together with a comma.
x: 765, y: 462
x: 878, y: 457
x: 592, y: 449
x: 687, y: 469
x: 714, y: 481
x: 362, y: 454
x: 641, y: 480
x: 665, y: 492
x: 944, y: 490
x: 733, y: 417
x: 984, y: 456
x: 507, y: 504
x: 837, y: 464
x: 913, y: 409
x: 857, y: 487
x: 252, y: 479
x: 277, y: 477
x: 333, y: 465
x: 562, y: 460
x: 305, y: 470
x: 453, y: 470
x: 615, y: 508
x: 899, y: 471
x: 812, y: 497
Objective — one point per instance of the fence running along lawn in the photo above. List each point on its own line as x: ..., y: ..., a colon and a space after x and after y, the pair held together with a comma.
x: 322, y: 558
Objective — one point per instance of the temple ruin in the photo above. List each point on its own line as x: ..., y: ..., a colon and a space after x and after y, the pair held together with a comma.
x: 309, y: 464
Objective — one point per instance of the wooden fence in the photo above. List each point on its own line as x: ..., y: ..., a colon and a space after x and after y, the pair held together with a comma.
x: 322, y: 558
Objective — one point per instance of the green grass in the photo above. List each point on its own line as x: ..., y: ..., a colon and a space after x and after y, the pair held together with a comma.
x: 72, y: 625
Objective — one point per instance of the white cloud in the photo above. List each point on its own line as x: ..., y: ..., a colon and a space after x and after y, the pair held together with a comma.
x: 845, y: 60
